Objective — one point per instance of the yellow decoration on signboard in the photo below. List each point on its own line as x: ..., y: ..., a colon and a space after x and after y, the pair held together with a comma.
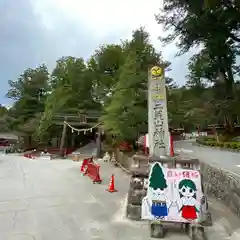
x: 156, y: 71
x: 158, y: 97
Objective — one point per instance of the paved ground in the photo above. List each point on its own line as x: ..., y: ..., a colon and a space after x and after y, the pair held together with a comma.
x: 220, y: 158
x: 46, y: 200
x: 89, y: 149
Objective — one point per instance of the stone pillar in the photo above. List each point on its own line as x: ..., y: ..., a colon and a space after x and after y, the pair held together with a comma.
x: 98, y: 142
x: 157, y: 114
x: 63, y: 138
x: 73, y: 140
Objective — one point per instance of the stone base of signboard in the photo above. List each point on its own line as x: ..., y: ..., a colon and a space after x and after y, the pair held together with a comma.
x: 134, y: 212
x: 157, y: 229
x: 207, y: 222
x: 195, y: 232
x: 135, y: 196
x: 136, y: 193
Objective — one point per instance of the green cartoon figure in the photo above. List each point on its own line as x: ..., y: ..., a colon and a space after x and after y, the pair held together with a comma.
x: 158, y: 183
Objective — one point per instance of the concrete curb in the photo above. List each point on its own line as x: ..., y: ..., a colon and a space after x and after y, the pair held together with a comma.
x: 123, y: 168
x: 202, y: 161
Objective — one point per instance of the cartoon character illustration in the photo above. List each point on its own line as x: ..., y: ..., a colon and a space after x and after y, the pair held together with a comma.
x: 158, y: 184
x: 187, y: 190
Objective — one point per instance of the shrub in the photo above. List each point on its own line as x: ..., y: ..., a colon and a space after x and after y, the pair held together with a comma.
x: 209, y: 138
x: 200, y: 140
x: 227, y: 145
x: 125, y: 147
x: 234, y: 145
x: 220, y: 144
x: 211, y: 142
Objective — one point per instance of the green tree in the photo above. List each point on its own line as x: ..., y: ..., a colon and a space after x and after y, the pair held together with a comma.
x: 29, y: 92
x: 215, y: 26
x: 127, y: 111
x: 126, y: 114
x: 157, y: 178
x: 221, y: 105
x: 105, y: 66
x: 71, y: 92
x: 5, y: 119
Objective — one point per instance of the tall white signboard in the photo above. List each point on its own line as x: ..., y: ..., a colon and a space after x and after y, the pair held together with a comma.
x: 157, y: 113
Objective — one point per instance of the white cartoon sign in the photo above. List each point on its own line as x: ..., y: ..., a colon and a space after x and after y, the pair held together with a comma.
x: 173, y: 195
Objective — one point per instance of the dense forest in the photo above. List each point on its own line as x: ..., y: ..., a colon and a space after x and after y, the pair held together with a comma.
x: 113, y: 80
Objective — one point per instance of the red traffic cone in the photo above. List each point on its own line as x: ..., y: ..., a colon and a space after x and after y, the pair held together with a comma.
x: 111, y: 186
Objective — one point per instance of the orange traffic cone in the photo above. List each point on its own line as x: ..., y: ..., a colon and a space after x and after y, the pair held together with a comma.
x: 111, y: 186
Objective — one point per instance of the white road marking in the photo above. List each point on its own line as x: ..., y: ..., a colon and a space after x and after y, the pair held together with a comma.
x: 238, y: 165
x: 184, y: 150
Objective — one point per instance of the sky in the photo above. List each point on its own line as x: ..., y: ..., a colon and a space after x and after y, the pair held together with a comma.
x: 41, y: 31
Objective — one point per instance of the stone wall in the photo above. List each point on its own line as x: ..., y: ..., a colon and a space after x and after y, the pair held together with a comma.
x: 128, y: 161
x: 222, y: 185
x: 124, y: 159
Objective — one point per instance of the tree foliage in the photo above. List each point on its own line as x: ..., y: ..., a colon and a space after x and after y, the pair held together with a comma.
x: 29, y: 92
x: 213, y: 26
x: 126, y: 114
x: 113, y: 80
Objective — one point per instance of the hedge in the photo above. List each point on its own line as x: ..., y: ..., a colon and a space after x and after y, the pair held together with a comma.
x: 213, y: 143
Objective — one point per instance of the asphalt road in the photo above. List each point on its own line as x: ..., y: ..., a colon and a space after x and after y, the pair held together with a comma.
x: 46, y: 200
x: 227, y: 160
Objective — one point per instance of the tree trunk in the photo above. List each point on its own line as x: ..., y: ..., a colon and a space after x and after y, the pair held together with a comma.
x: 229, y: 81
x: 228, y: 124
x: 215, y: 133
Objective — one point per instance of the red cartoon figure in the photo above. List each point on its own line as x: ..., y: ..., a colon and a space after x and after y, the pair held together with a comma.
x: 187, y: 190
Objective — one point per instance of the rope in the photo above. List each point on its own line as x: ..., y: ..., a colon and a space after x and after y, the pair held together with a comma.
x: 81, y: 130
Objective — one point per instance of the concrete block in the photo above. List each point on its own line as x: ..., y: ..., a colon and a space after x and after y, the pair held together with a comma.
x: 134, y: 212
x: 137, y: 183
x: 135, y: 198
